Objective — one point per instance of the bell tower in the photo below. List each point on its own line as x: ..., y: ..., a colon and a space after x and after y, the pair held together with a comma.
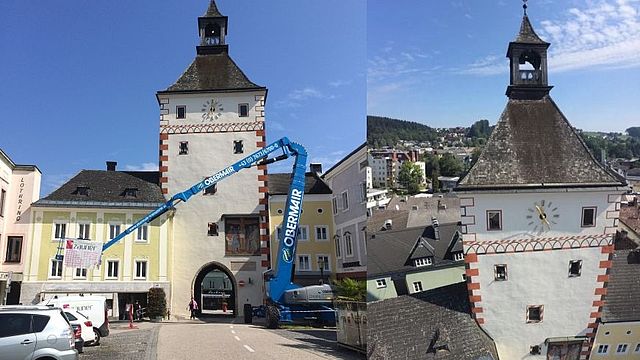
x: 212, y: 27
x: 528, y: 63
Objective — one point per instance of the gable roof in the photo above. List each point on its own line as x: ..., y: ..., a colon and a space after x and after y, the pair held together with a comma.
x: 533, y: 145
x: 106, y: 189
x: 212, y: 72
x: 622, y: 301
x: 413, y: 326
x: 278, y: 184
x: 393, y: 251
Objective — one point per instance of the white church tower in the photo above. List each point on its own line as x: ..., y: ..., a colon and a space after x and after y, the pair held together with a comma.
x: 539, y: 216
x: 210, y: 118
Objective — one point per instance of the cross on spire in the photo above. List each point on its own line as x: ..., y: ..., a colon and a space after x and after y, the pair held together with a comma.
x: 524, y: 6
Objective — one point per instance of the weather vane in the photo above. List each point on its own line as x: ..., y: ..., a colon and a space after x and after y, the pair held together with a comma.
x: 524, y: 6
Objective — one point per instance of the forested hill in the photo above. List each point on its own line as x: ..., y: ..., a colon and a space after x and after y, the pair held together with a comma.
x: 383, y: 131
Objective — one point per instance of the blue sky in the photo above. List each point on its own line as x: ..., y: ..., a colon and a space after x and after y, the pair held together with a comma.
x: 443, y: 63
x: 79, y: 77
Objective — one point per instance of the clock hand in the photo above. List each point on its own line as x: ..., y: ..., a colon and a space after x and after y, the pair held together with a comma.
x: 543, y: 216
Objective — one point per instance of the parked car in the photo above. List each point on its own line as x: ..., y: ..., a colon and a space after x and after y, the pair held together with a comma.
x: 77, y: 334
x: 93, y: 306
x: 36, y: 332
x: 85, y: 325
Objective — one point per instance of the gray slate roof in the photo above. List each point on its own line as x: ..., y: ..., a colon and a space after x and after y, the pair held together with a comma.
x: 527, y: 35
x: 212, y: 72
x: 403, y: 213
x: 212, y: 10
x: 393, y: 251
x: 412, y: 326
x: 622, y: 302
x: 106, y: 188
x: 279, y: 184
x: 533, y: 144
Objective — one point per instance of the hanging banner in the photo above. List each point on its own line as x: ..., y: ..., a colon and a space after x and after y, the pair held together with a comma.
x: 82, y: 253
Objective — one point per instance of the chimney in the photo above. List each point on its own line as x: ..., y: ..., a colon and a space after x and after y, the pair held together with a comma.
x: 111, y: 165
x: 316, y: 168
x: 436, y: 227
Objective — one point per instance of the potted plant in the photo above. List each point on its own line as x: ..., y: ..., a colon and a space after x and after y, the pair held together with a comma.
x: 156, y: 304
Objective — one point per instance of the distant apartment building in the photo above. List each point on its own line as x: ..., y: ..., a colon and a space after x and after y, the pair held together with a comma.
x: 385, y: 166
x: 348, y: 180
x: 19, y: 187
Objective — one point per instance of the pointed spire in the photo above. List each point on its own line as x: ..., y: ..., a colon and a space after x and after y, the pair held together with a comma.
x: 212, y: 11
x: 527, y: 34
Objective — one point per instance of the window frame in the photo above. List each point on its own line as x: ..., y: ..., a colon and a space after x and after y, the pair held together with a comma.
x: 541, y: 314
x: 327, y: 263
x: 240, y: 111
x: 594, y: 217
x: 54, y: 230
x: 417, y: 288
x: 424, y: 261
x: 496, y: 273
x: 344, y: 198
x: 334, y: 205
x: 114, y: 224
x: 107, y: 269
x: 183, y: 150
x: 499, y: 212
x: 184, y: 114
x: 211, y: 190
x: 571, y: 262
x: 58, y: 268
x: 215, y: 226
x: 625, y: 347
x: 604, y: 348
x: 3, y: 200
x: 80, y: 277
x: 240, y: 149
x: 145, y: 230
x: 7, y: 258
x: 326, y: 232
x: 348, y: 241
x: 146, y: 269
x: 300, y: 232
x: 299, y: 268
x: 381, y: 283
x: 458, y: 256
x: 86, y: 234
x: 338, y: 246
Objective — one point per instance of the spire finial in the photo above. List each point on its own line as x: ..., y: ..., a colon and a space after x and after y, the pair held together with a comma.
x: 524, y: 6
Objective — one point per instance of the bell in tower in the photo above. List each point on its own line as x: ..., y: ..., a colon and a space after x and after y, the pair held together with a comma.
x: 212, y: 28
x: 528, y: 60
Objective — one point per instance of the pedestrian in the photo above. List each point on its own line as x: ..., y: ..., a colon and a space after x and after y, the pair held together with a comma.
x: 193, y: 307
x: 138, y: 309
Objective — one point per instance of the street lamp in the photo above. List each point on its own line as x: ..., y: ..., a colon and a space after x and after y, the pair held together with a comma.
x: 321, y: 266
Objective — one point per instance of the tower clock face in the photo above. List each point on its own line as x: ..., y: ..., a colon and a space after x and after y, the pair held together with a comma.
x: 211, y: 110
x: 542, y: 216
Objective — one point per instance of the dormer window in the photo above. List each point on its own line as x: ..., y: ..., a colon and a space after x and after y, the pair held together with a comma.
x: 458, y: 256
x: 82, y: 190
x: 130, y: 192
x: 423, y: 261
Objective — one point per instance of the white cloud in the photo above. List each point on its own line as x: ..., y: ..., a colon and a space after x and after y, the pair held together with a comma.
x: 604, y: 34
x: 142, y: 167
x: 50, y: 183
x: 296, y: 97
x: 339, y: 83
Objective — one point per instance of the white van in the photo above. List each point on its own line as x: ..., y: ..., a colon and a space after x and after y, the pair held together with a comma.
x: 92, y: 306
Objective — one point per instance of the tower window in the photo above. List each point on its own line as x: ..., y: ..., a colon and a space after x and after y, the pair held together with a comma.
x: 238, y: 147
x: 213, y: 229
x: 184, y: 148
x: 212, y: 34
x: 500, y: 272
x: 211, y: 190
x: 494, y: 220
x: 534, y: 313
x: 588, y: 216
x: 181, y: 112
x: 575, y: 268
x: 243, y: 110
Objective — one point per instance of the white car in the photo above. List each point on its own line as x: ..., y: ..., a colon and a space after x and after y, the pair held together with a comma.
x: 76, y: 318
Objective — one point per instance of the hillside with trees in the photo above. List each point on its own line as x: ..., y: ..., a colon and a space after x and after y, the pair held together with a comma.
x: 383, y: 131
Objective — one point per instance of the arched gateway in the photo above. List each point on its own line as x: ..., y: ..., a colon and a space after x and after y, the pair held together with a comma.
x: 214, y: 289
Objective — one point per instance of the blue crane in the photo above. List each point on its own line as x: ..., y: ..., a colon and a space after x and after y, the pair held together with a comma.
x: 286, y: 301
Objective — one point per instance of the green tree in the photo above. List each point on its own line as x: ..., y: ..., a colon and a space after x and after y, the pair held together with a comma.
x: 410, y: 176
x: 480, y: 129
x: 431, y: 164
x: 451, y: 165
x: 634, y: 131
x: 350, y: 289
x: 156, y: 302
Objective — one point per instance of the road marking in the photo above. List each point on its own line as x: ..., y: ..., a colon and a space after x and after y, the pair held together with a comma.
x: 249, y: 348
x: 237, y: 338
x: 233, y: 331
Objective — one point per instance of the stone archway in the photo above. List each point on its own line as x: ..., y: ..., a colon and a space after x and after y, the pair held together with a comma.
x: 213, y: 286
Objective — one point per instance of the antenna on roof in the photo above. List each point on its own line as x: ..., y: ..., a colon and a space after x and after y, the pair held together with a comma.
x: 524, y: 6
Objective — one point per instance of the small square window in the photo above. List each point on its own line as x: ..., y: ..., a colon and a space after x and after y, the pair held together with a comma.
x: 243, y: 110
x: 494, y: 220
x: 181, y: 112
x: 575, y: 268
x: 422, y: 262
x: 417, y: 286
x: 622, y: 348
x: 459, y: 256
x: 80, y: 273
x: 588, y: 217
x: 381, y: 283
x: 534, y: 313
x: 213, y: 229
x: 500, y: 272
x: 603, y: 349
x: 184, y: 148
x: 238, y: 147
x: 637, y: 350
x: 211, y: 190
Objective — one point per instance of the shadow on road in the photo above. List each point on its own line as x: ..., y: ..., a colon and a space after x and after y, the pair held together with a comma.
x: 319, y: 340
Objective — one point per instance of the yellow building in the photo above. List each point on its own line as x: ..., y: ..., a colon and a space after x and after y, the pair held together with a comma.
x: 315, y: 254
x: 618, y: 333
x: 99, y: 205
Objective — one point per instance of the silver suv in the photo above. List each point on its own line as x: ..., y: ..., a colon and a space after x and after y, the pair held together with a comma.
x: 35, y: 332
